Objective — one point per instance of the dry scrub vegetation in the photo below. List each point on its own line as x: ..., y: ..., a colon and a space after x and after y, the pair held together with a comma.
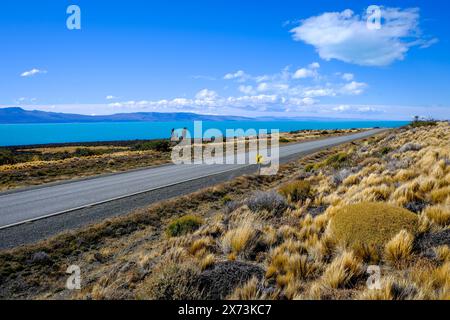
x: 25, y: 166
x: 310, y: 232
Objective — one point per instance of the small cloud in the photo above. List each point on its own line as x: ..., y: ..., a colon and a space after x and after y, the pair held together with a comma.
x: 246, y: 90
x: 303, y: 73
x: 110, y: 97
x: 32, y: 72
x: 354, y: 88
x: 203, y: 77
x: 240, y: 76
x: 341, y: 108
x: 25, y: 100
x: 205, y: 94
x: 348, y: 76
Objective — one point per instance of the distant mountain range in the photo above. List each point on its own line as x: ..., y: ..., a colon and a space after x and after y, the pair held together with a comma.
x: 17, y: 115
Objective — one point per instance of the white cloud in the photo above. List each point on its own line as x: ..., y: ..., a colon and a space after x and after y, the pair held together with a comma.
x: 314, y: 65
x: 354, y: 88
x: 345, y: 36
x: 348, y: 76
x: 32, y: 72
x: 240, y: 76
x: 303, y: 73
x: 341, y: 108
x: 246, y: 89
x: 319, y: 92
x: 110, y: 97
x: 263, y: 86
x: 206, y: 94
x: 25, y: 100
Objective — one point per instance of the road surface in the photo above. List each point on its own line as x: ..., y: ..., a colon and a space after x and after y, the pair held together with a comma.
x: 27, y: 205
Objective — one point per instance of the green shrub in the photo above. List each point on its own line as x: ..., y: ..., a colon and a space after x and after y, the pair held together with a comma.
x: 336, y: 160
x: 419, y: 124
x: 296, y: 191
x: 284, y: 140
x: 183, y: 225
x: 161, y: 146
x: 385, y: 150
x: 371, y: 223
x: 84, y: 152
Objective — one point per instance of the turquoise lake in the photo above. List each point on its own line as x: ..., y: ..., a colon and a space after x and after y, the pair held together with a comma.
x: 28, y: 134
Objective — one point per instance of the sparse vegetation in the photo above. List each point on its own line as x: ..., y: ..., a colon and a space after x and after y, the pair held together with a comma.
x: 375, y: 205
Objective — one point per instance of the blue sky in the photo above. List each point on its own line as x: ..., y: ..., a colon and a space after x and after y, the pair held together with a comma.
x: 283, y: 58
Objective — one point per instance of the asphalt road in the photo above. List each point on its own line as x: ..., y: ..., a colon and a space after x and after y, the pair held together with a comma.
x: 73, y: 201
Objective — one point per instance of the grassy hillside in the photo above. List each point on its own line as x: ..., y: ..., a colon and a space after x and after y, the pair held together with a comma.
x: 310, y: 232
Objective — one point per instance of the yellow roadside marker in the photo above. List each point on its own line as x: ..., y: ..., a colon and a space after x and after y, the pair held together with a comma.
x: 259, y: 159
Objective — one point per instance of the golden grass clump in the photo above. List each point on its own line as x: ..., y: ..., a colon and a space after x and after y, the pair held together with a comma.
x: 393, y: 289
x: 398, y: 250
x: 287, y: 268
x: 440, y: 195
x: 439, y: 215
x: 442, y: 253
x: 371, y: 223
x: 235, y: 241
x: 433, y: 281
x: 343, y: 271
x: 296, y: 191
x: 249, y: 291
x: 201, y: 245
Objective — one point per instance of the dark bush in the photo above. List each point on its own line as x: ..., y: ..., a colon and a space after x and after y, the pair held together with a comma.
x: 6, y: 157
x: 84, y: 152
x: 161, y: 146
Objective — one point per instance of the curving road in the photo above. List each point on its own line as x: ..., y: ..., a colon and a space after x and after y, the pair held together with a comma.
x: 26, y: 205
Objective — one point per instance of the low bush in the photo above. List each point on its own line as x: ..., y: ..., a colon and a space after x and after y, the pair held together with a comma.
x: 84, y: 152
x: 410, y: 147
x: 6, y: 157
x: 183, y: 225
x: 419, y: 124
x: 337, y: 160
x: 270, y: 201
x: 296, y: 191
x: 161, y: 146
x: 172, y: 282
x: 371, y: 223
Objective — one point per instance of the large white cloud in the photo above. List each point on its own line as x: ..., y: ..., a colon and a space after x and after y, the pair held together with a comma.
x: 345, y: 36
